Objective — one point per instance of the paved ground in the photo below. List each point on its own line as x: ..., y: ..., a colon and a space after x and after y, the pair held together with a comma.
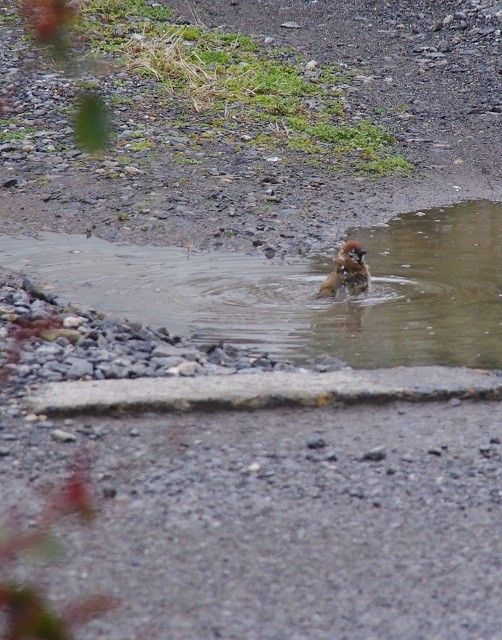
x: 228, y: 525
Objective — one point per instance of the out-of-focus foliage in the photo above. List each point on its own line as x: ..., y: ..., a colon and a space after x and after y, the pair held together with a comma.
x: 50, y: 23
x: 25, y: 613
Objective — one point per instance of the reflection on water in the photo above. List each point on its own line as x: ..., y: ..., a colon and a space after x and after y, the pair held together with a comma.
x: 436, y: 298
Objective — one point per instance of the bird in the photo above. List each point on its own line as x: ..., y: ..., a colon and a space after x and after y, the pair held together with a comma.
x: 350, y: 275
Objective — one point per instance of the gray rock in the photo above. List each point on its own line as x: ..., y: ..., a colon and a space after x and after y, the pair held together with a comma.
x: 79, y: 368
x: 316, y: 442
x: 375, y: 455
x: 166, y: 362
x: 58, y: 435
x: 291, y: 25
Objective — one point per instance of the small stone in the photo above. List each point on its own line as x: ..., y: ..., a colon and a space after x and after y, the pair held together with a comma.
x: 447, y: 20
x: 375, y: 455
x: 79, y: 368
x: 291, y: 25
x: 316, y: 443
x: 4, y: 452
x: 51, y: 335
x: 134, y: 433
x: 311, y: 65
x: 73, y: 322
x: 58, y: 435
x: 434, y: 451
x: 486, y: 452
x: 495, y: 440
x: 455, y: 402
x: 331, y: 455
x: 254, y: 467
x: 31, y: 417
x: 10, y: 182
x: 185, y: 369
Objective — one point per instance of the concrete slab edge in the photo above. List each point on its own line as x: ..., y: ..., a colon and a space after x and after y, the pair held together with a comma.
x: 264, y: 390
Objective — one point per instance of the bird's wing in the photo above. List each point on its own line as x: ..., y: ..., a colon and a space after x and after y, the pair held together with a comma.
x: 330, y: 286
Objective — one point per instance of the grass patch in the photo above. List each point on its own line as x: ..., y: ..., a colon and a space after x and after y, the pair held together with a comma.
x: 115, y: 10
x: 141, y: 145
x: 388, y: 165
x: 9, y: 135
x: 230, y: 80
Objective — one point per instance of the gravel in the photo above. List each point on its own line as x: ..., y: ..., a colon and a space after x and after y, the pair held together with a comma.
x: 101, y: 348
x: 226, y: 525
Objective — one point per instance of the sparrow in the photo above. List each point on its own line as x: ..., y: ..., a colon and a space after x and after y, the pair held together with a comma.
x: 350, y: 275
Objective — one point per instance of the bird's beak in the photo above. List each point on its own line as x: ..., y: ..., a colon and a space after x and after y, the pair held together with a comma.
x: 361, y: 253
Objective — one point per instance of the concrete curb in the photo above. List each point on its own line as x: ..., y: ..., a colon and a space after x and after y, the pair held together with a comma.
x: 241, y: 391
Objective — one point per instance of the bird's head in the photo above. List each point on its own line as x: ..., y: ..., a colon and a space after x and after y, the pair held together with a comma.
x: 353, y: 250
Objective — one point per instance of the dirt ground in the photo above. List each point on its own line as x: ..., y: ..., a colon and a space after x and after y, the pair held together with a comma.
x: 437, y: 89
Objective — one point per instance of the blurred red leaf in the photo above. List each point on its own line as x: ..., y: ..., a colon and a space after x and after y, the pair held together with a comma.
x: 88, y: 609
x: 48, y: 18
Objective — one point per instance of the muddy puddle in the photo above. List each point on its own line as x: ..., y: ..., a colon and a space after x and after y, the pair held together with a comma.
x: 437, y: 291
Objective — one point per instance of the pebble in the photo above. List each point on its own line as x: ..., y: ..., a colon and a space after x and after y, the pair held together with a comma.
x: 79, y: 368
x: 316, y: 443
x: 73, y: 322
x: 58, y: 435
x: 375, y: 455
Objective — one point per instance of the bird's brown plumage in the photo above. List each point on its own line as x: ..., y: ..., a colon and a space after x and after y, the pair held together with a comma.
x: 350, y: 275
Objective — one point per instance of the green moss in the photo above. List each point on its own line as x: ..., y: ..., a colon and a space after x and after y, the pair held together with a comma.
x: 213, y: 57
x: 118, y: 101
x: 336, y: 109
x: 363, y: 135
x: 141, y: 145
x: 387, y: 165
x: 304, y: 144
x: 298, y: 123
x: 124, y: 9
x: 181, y: 158
x: 9, y: 135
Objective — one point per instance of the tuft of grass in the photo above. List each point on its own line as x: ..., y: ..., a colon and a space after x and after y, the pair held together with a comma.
x: 170, y: 60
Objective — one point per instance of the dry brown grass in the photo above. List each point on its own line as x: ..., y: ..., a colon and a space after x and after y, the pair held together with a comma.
x: 173, y: 61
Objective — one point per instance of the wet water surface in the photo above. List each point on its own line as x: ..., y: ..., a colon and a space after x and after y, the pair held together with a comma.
x: 436, y: 299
